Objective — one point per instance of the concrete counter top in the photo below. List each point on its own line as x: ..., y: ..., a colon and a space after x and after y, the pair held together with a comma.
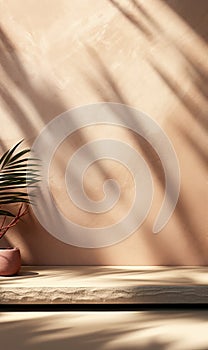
x: 105, y: 284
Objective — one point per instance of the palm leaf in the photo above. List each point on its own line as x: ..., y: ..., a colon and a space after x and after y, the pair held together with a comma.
x: 18, y: 155
x: 17, y: 172
x: 15, y: 187
x: 6, y: 156
x: 21, y: 168
x: 22, y: 162
x: 6, y: 213
x: 14, y: 200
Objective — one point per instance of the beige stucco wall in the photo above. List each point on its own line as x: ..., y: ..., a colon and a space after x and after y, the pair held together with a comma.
x: 151, y: 55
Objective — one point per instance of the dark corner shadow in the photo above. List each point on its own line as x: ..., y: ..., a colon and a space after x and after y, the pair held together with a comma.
x: 193, y: 12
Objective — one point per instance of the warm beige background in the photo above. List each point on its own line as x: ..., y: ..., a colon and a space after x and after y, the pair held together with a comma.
x: 152, y: 55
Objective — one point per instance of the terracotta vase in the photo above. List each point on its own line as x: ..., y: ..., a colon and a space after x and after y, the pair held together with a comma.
x: 10, y: 261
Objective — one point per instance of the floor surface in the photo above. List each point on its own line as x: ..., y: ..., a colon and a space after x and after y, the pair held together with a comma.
x: 145, y: 330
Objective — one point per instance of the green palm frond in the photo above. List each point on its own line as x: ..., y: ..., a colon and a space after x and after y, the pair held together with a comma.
x: 17, y: 172
x: 8, y: 154
x: 6, y: 213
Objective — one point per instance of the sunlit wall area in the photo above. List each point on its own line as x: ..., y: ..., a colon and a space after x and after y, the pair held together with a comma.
x: 150, y: 55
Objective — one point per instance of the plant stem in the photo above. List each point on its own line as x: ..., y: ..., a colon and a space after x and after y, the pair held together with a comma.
x: 20, y: 213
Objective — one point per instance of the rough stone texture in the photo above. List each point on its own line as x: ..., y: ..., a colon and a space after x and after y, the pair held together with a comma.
x: 84, y: 284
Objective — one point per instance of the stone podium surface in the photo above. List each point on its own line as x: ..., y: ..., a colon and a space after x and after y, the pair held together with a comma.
x: 105, y: 285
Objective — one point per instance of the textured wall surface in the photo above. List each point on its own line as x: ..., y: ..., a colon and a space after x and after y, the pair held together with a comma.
x: 151, y: 55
